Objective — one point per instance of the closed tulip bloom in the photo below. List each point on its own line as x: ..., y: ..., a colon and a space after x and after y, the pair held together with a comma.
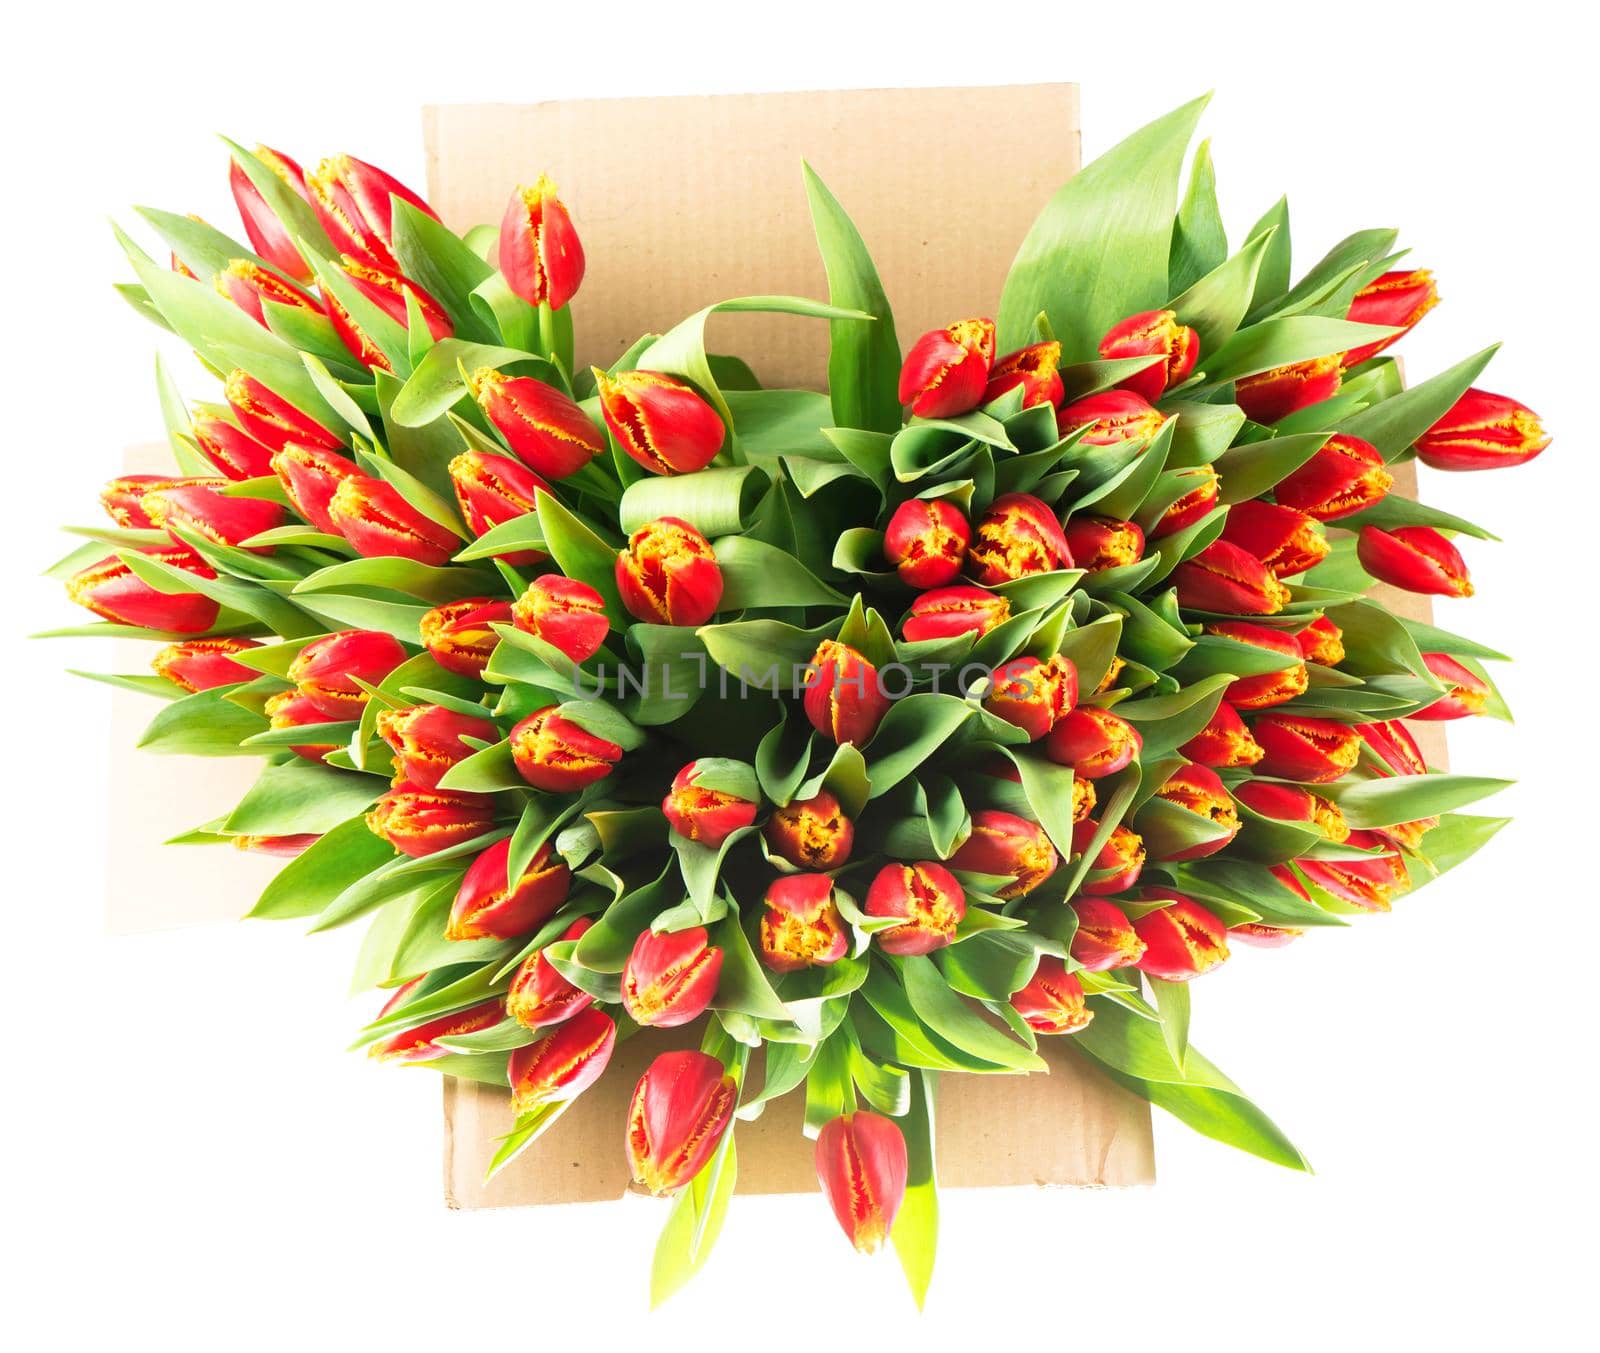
x: 229, y: 447
x: 1266, y: 688
x: 1483, y: 432
x: 1269, y: 396
x: 376, y: 519
x: 565, y: 613
x: 248, y: 285
x: 540, y: 996
x: 862, y: 1166
x: 1035, y: 368
x: 1321, y: 642
x: 204, y: 664
x: 1312, y: 751
x: 1003, y: 843
x: 660, y: 421
x: 699, y: 813
x: 1153, y: 333
x: 564, y: 1063
x: 272, y: 420
x: 541, y: 256
x: 1224, y: 742
x: 1343, y: 476
x: 1371, y: 883
x: 1391, y: 742
x: 123, y: 497
x: 1112, y: 416
x: 114, y: 592
x: 420, y: 1044
x: 1181, y: 940
x: 1259, y: 936
x: 1104, y: 938
x: 427, y: 740
x: 801, y: 926
x: 325, y: 670
x: 282, y: 847
x: 418, y: 822
x: 495, y: 489
x: 389, y: 292
x: 1017, y: 535
x: 1033, y: 695
x: 290, y: 709
x: 488, y: 907
x: 843, y: 698
x: 925, y: 897
x: 1468, y: 693
x: 1398, y: 300
x: 459, y: 635
x: 926, y: 540
x: 1083, y: 798
x: 668, y: 574
x: 1285, y: 540
x: 1415, y: 559
x: 218, y: 517
x: 1052, y: 1002
x: 1118, y: 863
x: 352, y: 200
x: 947, y: 370
x: 546, y: 429
x: 559, y: 756
x: 268, y: 236
x: 1293, y: 803
x: 1197, y: 501
x: 310, y: 477
x: 670, y: 979
x: 1093, y: 741
x: 1223, y: 577
x: 811, y: 833
x: 1098, y: 543
x: 947, y: 612
x: 680, y: 1109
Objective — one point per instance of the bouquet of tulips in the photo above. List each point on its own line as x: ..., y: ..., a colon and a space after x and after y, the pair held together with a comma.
x: 989, y: 696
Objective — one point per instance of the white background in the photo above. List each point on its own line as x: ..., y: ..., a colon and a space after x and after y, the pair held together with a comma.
x: 193, y: 1159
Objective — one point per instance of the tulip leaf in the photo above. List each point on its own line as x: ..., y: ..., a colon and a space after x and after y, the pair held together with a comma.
x: 915, y: 1235
x: 913, y: 730
x: 1250, y: 470
x: 307, y: 883
x: 1215, y: 306
x: 580, y: 551
x: 694, y: 1223
x: 1282, y: 342
x: 1405, y: 798
x: 1199, y: 242
x: 439, y: 262
x: 203, y: 724
x: 1172, y: 1000
x: 1394, y: 510
x: 299, y: 797
x: 440, y: 381
x: 716, y: 502
x: 756, y: 575
x: 951, y: 1017
x: 1331, y: 284
x: 1394, y: 424
x: 743, y: 985
x: 1272, y: 279
x: 529, y: 1128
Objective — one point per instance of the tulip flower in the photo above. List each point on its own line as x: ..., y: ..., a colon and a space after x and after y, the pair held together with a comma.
x: 926, y: 540
x: 283, y: 847
x: 218, y: 517
x: 1483, y: 432
x: 947, y: 370
x: 268, y: 236
x: 310, y: 477
x: 1181, y: 940
x: 1321, y: 642
x: 699, y: 813
x: 1313, y: 751
x: 204, y: 664
x: 418, y: 822
x: 1224, y: 742
x: 540, y: 996
x: 1415, y: 559
x: 1393, y: 744
x: 352, y: 200
x: 1405, y: 835
x: 1194, y: 503
x: 1035, y: 368
x: 1259, y: 936
x: 1093, y: 741
x: 114, y: 592
x: 1017, y: 535
x: 1003, y: 843
x: 540, y: 254
x: 801, y: 926
x: 1052, y: 1002
x: 1293, y: 803
x: 843, y: 697
x: 1371, y: 883
x: 427, y: 740
x: 564, y: 1063
x: 681, y: 1106
x: 421, y: 1043
x: 947, y: 612
x: 1153, y: 333
x: 459, y: 635
x: 386, y: 291
x: 1290, y: 880
x: 670, y: 979
x: 488, y: 907
x: 1266, y: 688
x: 1223, y: 577
x: 1269, y: 396
x: 545, y: 428
x: 233, y: 451
x: 862, y: 1167
x: 925, y: 897
x: 123, y: 497
x: 1033, y: 695
x: 660, y: 421
x: 1112, y: 416
x: 559, y: 756
x: 811, y: 833
x: 1104, y: 938
x: 1344, y: 476
x: 1468, y: 693
x: 272, y: 420
x: 1285, y: 540
x: 1396, y: 299
x: 325, y: 670
x: 290, y: 709
x: 1083, y: 797
x: 668, y: 575
x: 492, y: 490
x: 1117, y: 866
x: 1097, y: 543
x: 376, y: 519
x: 248, y: 284
x: 565, y: 613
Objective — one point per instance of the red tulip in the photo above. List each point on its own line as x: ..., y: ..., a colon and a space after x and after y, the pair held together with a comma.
x: 1104, y: 938
x: 268, y: 236
x: 947, y: 612
x: 698, y: 813
x: 1344, y: 476
x: 565, y: 613
x: 1468, y: 693
x: 1310, y: 750
x: 1035, y: 368
x: 564, y: 1063
x: 843, y: 697
x: 540, y: 996
x: 1112, y: 416
x: 1153, y: 333
x: 1370, y: 883
x: 218, y: 517
x: 925, y: 897
x: 1003, y: 843
x: 1097, y: 543
x: 681, y: 1107
x: 1017, y: 535
x: 540, y: 254
x: 248, y: 285
x: 1181, y: 940
x: 1033, y: 695
x: 488, y: 907
x: 1414, y: 558
x: 668, y: 575
x: 947, y: 370
x: 1199, y: 790
x: 1093, y: 741
x: 1224, y: 742
x: 1223, y: 577
x: 862, y: 1167
x: 227, y: 446
x: 283, y: 847
x: 1321, y: 642
x: 114, y: 592
x: 421, y: 1043
x: 387, y: 291
x: 1285, y: 540
x: 801, y: 926
x: 123, y: 497
x: 459, y: 635
x: 559, y: 756
x: 1293, y: 803
x: 352, y: 200
x: 428, y: 740
x: 1397, y: 299
x: 1393, y: 744
x: 1266, y: 688
x: 1269, y: 396
x: 811, y: 833
x: 376, y: 519
x: 492, y: 490
x: 1259, y: 936
x: 926, y: 540
x: 544, y: 427
x: 290, y: 709
x: 417, y: 821
x: 204, y: 664
x: 1117, y: 865
x: 1052, y: 1002
x: 310, y: 477
x: 670, y: 979
x: 1194, y: 503
x: 272, y: 420
x: 325, y: 670
x: 660, y: 421
x: 1483, y: 432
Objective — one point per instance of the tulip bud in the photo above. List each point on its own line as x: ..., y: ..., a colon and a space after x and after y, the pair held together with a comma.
x: 1112, y: 416
x: 1266, y: 688
x: 1035, y: 368
x: 1093, y: 741
x: 811, y: 833
x: 427, y: 740
x: 488, y: 907
x: 559, y: 756
x: 540, y: 254
x: 947, y: 612
x: 1223, y: 577
x: 123, y: 497
x: 546, y: 429
x: 204, y: 664
x: 1393, y: 744
x: 540, y: 996
x: 376, y: 519
x: 1117, y: 866
x: 1482, y: 432
x: 290, y: 709
x: 283, y: 847
x: 1405, y: 835
x: 1016, y: 536
x: 862, y: 1167
x: 926, y: 897
x: 218, y: 517
x: 1310, y: 750
x: 681, y: 1107
x: 564, y: 1063
x: 325, y: 670
x: 248, y: 284
x: 268, y: 235
x: 1003, y: 843
x: 352, y: 202
x: 1371, y: 883
x: 1321, y: 642
x: 1033, y: 695
x: 421, y: 1043
x: 1285, y: 540
x: 668, y: 575
x: 492, y: 490
x: 271, y: 420
x: 1193, y: 504
x: 1097, y: 543
x: 417, y: 821
x: 698, y: 813
x: 232, y: 450
x: 1397, y: 299
x: 114, y: 592
x: 1224, y: 742
x: 1181, y: 940
x: 843, y: 697
x: 1293, y: 803
x: 1153, y: 333
x: 458, y: 635
x: 1415, y: 559
x: 1052, y: 1002
x: 1468, y: 693
x: 801, y: 926
x: 947, y: 370
x: 660, y: 421
x: 926, y: 540
x: 310, y: 477
x: 1259, y: 936
x: 1345, y: 475
x: 1104, y: 938
x: 1083, y: 797
x: 670, y: 979
x: 387, y: 291
x: 565, y: 613
x: 1269, y: 396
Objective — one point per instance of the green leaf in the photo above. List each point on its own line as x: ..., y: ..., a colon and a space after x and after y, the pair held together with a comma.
x: 299, y: 797
x: 1199, y: 242
x: 1215, y: 306
x: 948, y: 1015
x: 1281, y: 342
x: 580, y: 552
x: 1405, y: 798
x: 758, y: 575
x: 311, y: 880
x: 913, y: 730
x: 206, y: 723
x: 697, y: 1216
x: 715, y: 502
x: 1273, y: 278
x: 1172, y: 1000
x: 916, y: 1227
